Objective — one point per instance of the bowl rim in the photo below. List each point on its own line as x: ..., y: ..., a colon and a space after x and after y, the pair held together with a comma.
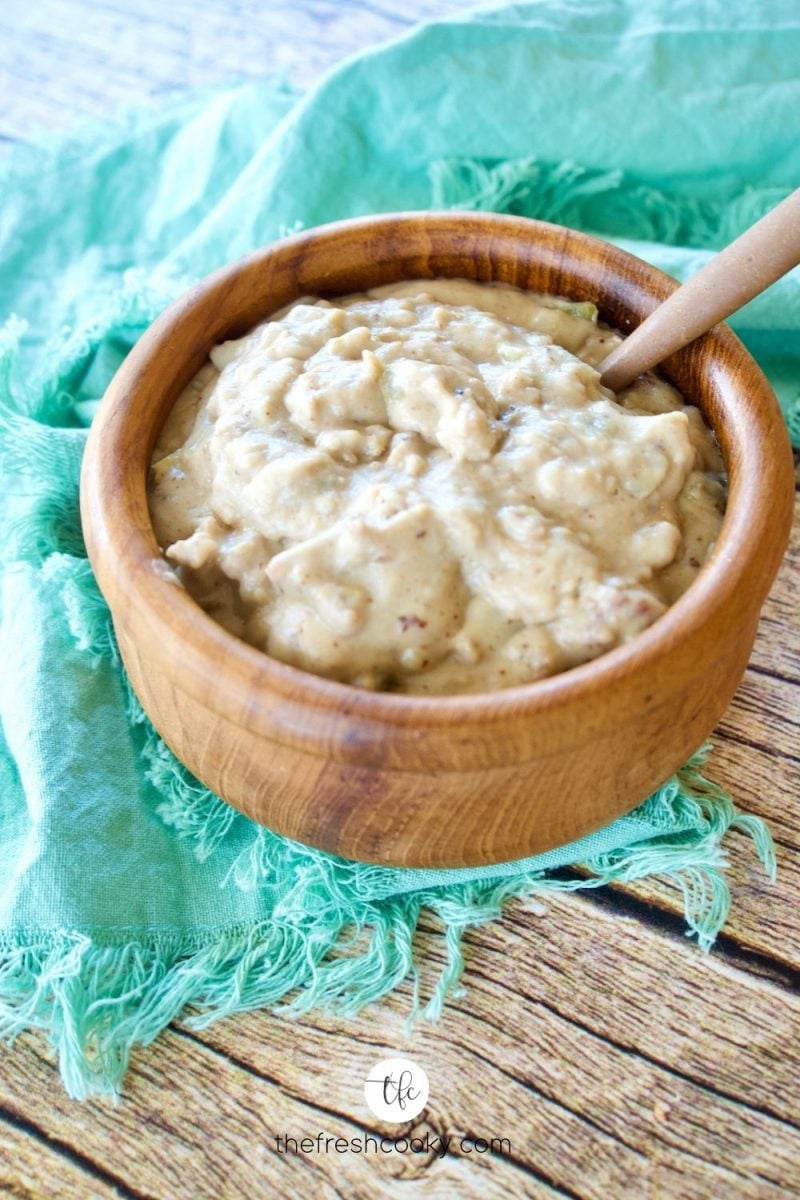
x: 164, y: 609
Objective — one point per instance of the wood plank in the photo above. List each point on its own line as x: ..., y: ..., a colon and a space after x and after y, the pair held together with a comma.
x: 622, y: 1062
x: 142, y: 51
x: 777, y: 647
x: 763, y: 917
x: 765, y: 712
x: 760, y: 782
x: 195, y: 1126
x: 656, y: 996
x: 616, y: 1060
x: 30, y: 1169
x: 756, y: 758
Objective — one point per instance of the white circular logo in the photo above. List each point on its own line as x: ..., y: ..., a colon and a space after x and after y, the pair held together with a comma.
x: 396, y: 1089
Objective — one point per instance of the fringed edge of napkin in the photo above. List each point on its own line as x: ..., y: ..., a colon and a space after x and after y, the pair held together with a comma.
x: 99, y: 997
x: 693, y: 812
x: 616, y: 206
x: 590, y: 197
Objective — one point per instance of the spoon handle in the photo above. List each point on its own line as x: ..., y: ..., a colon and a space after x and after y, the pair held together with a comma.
x: 746, y: 267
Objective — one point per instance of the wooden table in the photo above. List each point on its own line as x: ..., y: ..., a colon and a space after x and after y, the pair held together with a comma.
x: 615, y: 1058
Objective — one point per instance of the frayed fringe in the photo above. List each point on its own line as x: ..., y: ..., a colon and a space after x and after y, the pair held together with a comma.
x: 323, y: 948
x: 694, y: 813
x: 98, y: 1001
x: 194, y: 812
x: 44, y: 455
x: 41, y: 438
x: 88, y: 615
x: 52, y: 525
x: 337, y: 938
x: 50, y: 394
x: 608, y: 202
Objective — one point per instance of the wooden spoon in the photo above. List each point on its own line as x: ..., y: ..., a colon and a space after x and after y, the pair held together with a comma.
x: 741, y: 271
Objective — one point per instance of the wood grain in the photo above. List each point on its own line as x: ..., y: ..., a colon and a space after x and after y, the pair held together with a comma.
x: 763, y: 918
x: 66, y: 60
x: 668, y: 1056
x: 589, y: 1027
x: 210, y: 1121
x: 777, y: 648
x: 615, y: 1060
x: 27, y: 1159
x: 374, y: 776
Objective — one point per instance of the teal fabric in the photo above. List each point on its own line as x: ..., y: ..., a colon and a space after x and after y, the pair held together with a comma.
x: 126, y: 889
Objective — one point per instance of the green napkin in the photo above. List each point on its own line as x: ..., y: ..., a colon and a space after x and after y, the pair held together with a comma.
x: 127, y: 890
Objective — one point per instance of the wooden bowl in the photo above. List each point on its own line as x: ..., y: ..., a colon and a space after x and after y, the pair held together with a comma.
x: 432, y: 781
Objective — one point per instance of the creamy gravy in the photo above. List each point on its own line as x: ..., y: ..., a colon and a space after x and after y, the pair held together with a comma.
x: 425, y: 489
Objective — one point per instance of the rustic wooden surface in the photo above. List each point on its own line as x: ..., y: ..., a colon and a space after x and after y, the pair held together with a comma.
x: 617, y: 1060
